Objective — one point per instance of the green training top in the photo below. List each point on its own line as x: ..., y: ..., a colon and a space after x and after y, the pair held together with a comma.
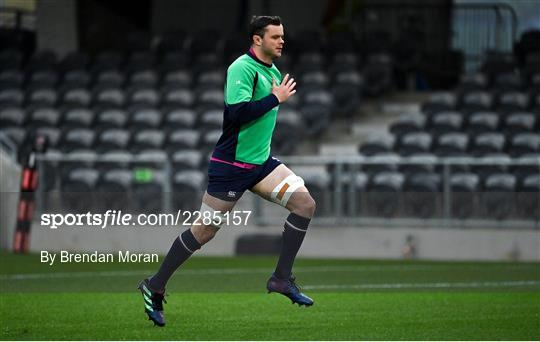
x: 250, y: 111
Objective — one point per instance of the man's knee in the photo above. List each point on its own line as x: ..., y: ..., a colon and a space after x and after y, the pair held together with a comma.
x: 303, y: 204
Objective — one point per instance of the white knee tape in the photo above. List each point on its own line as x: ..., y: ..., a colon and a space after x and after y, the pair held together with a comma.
x: 284, y: 190
x: 212, y: 216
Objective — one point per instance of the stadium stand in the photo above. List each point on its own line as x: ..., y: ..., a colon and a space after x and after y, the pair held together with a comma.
x: 161, y: 100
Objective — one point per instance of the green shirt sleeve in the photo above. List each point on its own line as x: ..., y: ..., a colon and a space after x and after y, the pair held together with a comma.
x: 239, y: 87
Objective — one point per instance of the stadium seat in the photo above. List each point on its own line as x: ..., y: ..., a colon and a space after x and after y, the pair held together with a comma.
x: 114, y: 159
x: 210, y: 79
x: 498, y: 196
x: 528, y: 197
x: 76, y: 78
x: 78, y: 189
x: 11, y: 97
x: 343, y: 63
x: 209, y: 139
x: 206, y: 61
x: 483, y: 122
x: 111, y: 118
x: 383, y: 193
x: 311, y: 62
x: 76, y: 159
x: 109, y: 97
x: 12, y: 116
x: 439, y: 102
x: 16, y: 134
x: 150, y: 158
x: 41, y: 96
x: 476, y: 101
x: 452, y: 144
x: 346, y: 92
x: 77, y: 138
x: 422, y: 194
x: 180, y: 118
x: 517, y: 123
x: 181, y: 97
x: 178, y: 78
x: 11, y: 78
x: 188, y: 187
x: 408, y: 124
x: 110, y: 79
x: 145, y: 118
x: 114, y: 189
x: 147, y: 186
x: 487, y: 143
x: 143, y: 96
x: 465, y: 189
x: 288, y: 132
x: 42, y: 78
x: 44, y: 117
x: 377, y: 144
x: 211, y: 119
x: 512, y: 101
x: 147, y: 139
x: 76, y: 97
x: 415, y: 142
x: 188, y: 159
x: 209, y: 99
x: 445, y: 122
x: 424, y: 163
x: 182, y: 139
x: 52, y: 134
x: 77, y: 118
x: 472, y: 82
x: 316, y: 116
x: 314, y: 80
x: 524, y: 143
x: 527, y: 165
x: 50, y: 174
x: 382, y: 162
x: 492, y: 164
x: 317, y: 180
x: 112, y: 139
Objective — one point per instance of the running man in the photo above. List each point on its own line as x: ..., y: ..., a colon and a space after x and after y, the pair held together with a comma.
x: 241, y: 161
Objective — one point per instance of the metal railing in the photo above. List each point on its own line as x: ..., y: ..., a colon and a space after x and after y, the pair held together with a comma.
x: 478, y: 28
x: 339, y: 199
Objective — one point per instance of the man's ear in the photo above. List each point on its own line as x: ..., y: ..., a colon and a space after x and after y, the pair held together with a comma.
x: 257, y: 40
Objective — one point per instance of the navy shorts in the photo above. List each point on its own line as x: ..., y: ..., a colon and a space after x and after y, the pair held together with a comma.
x: 228, y: 182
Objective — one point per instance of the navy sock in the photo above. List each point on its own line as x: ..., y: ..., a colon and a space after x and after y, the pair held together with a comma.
x: 293, y: 235
x: 182, y: 248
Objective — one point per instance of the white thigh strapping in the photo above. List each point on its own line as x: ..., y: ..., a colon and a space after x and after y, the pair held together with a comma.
x: 284, y: 190
x: 215, y: 217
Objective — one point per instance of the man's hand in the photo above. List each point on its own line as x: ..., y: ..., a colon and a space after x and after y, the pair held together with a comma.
x: 285, y: 89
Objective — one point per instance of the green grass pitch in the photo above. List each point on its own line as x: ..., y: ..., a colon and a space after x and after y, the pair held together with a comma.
x: 225, y: 299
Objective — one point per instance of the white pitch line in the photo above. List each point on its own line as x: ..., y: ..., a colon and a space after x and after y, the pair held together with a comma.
x: 239, y: 271
x: 424, y: 285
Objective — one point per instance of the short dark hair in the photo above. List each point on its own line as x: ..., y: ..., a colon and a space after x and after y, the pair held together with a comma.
x: 258, y: 24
